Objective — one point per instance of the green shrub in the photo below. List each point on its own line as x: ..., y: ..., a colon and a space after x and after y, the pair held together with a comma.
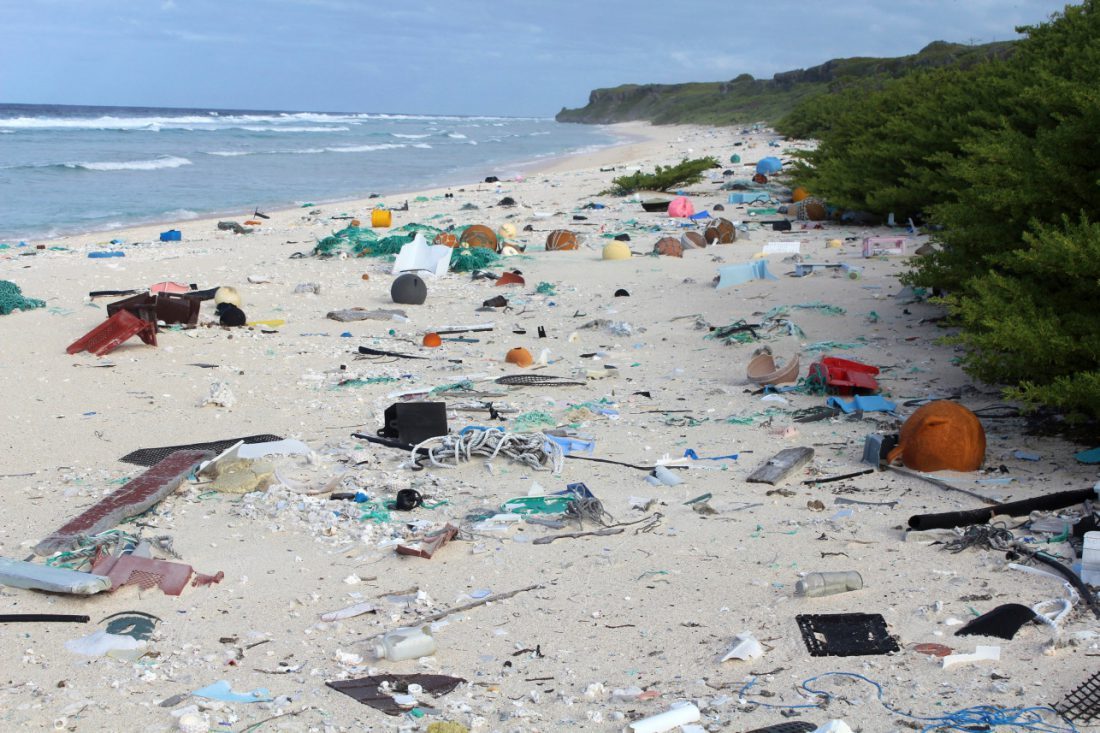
x: 665, y: 178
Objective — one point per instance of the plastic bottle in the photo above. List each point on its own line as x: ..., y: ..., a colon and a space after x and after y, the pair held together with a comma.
x: 826, y: 584
x: 407, y: 643
x: 1090, y: 559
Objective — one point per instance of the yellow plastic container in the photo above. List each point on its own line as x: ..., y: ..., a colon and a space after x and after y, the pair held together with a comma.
x: 381, y: 218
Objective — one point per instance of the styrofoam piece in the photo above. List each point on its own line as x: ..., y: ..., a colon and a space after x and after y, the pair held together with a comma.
x: 782, y: 248
x: 288, y: 447
x: 32, y: 576
x: 1090, y: 559
x: 419, y: 256
x: 745, y: 647
x: 100, y: 643
x: 834, y: 726
x: 674, y: 717
x: 981, y: 654
x: 350, y: 612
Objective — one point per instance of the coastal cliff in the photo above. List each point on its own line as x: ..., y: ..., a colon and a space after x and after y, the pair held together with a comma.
x: 746, y: 99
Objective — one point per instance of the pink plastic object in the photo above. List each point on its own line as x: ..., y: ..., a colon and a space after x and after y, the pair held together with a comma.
x: 107, y: 336
x: 680, y: 208
x: 844, y: 376
x: 169, y: 287
x: 145, y: 572
x: 884, y: 246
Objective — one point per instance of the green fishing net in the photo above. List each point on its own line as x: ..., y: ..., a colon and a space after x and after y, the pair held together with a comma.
x: 11, y: 298
x: 473, y: 258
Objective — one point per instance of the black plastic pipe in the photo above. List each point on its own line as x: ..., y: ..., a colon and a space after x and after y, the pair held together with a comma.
x: 1050, y: 502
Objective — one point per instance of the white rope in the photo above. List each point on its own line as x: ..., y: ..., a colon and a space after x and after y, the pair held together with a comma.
x: 532, y: 449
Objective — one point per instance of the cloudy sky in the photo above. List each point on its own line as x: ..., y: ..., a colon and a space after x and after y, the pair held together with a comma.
x: 518, y: 57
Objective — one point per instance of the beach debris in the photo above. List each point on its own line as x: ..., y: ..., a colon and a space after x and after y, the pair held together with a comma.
x: 980, y: 654
x: 232, y: 226
x: 429, y: 544
x: 745, y: 647
x: 12, y: 299
x: 781, y: 465
x: 846, y: 634
x: 223, y: 691
x: 409, y: 289
x: 390, y: 693
x: 676, y: 716
x: 133, y: 498
x: 941, y: 435
x: 109, y: 335
x: 32, y: 576
x: 362, y: 314
x: 814, y: 585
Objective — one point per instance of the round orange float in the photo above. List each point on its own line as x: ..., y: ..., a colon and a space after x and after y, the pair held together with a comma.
x: 519, y: 356
x: 479, y: 235
x: 511, y: 278
x: 798, y: 194
x: 669, y: 247
x: 941, y: 435
x: 560, y: 239
x: 432, y: 340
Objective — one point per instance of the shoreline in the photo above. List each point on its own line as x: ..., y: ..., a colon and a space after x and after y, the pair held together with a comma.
x: 630, y: 134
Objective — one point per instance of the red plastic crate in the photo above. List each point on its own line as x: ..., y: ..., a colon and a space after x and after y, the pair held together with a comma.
x: 106, y: 337
x: 844, y: 376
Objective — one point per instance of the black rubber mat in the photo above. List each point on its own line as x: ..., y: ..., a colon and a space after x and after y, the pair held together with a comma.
x: 846, y: 634
x: 153, y: 456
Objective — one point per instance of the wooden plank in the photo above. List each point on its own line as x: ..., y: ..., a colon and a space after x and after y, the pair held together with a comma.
x: 781, y: 465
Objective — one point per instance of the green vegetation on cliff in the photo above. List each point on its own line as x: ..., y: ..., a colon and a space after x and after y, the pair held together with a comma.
x: 746, y: 99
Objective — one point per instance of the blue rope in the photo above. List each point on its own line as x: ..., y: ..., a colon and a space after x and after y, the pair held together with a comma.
x: 979, y: 717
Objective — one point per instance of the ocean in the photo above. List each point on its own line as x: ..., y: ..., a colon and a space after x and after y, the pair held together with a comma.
x: 72, y: 169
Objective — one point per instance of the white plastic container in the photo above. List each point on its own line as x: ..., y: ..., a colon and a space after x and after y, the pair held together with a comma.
x: 1090, y: 559
x: 407, y: 643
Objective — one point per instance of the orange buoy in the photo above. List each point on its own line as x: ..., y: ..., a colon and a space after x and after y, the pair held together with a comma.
x: 941, y: 435
x: 432, y: 340
x: 355, y: 223
x: 669, y: 246
x: 366, y: 276
x: 560, y: 239
x: 381, y: 218
x: 519, y: 356
x: 511, y: 278
x: 479, y: 235
x: 798, y: 194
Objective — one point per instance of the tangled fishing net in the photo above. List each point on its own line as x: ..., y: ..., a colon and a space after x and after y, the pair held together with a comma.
x: 532, y: 449
x: 12, y: 298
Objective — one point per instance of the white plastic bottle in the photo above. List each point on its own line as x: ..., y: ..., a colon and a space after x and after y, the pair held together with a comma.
x: 406, y: 643
x: 826, y: 584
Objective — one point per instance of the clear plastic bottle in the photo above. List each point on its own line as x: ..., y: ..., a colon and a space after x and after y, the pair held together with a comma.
x: 1090, y: 559
x: 826, y: 584
x: 406, y: 643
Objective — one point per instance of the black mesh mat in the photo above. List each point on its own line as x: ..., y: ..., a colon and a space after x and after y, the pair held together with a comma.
x: 153, y: 456
x: 535, y: 380
x: 846, y: 634
x: 1083, y: 704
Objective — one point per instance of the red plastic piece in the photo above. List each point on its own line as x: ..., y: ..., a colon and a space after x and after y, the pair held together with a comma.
x: 844, y: 376
x: 130, y: 500
x: 145, y: 572
x: 107, y: 336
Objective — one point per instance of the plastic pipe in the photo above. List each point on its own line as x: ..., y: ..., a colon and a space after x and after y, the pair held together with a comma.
x: 1050, y: 502
x: 672, y: 718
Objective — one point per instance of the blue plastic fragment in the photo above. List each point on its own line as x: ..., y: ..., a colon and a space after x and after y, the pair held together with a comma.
x: 1025, y: 455
x: 104, y: 255
x: 1091, y: 455
x: 690, y: 453
x: 863, y: 403
x: 221, y: 690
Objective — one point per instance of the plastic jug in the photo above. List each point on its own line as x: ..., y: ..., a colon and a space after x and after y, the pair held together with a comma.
x: 826, y: 584
x: 406, y: 643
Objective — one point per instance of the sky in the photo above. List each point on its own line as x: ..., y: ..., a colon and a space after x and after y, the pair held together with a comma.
x: 499, y: 57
